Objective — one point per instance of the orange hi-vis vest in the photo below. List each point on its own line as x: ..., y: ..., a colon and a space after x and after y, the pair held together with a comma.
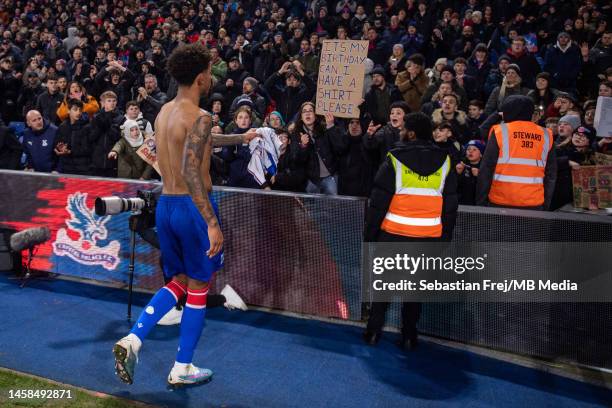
x: 416, y: 207
x: 518, y: 180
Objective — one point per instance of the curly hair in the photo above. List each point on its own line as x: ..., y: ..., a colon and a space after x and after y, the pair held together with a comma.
x: 188, y: 61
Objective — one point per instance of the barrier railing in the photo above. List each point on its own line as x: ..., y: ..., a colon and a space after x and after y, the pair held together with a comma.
x: 302, y: 253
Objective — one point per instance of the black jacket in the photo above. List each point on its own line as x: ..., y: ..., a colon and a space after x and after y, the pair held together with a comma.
x: 382, y: 141
x: 10, y: 149
x: 47, y: 105
x: 122, y: 89
x: 104, y: 134
x: 324, y: 143
x: 265, y: 62
x: 424, y: 158
x: 76, y: 136
x: 378, y: 103
x: 151, y: 106
x: 357, y: 167
x: 291, y: 170
x: 288, y: 100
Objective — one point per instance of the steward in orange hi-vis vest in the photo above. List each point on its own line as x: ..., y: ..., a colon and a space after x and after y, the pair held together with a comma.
x: 518, y: 180
x: 519, y: 166
x: 414, y: 198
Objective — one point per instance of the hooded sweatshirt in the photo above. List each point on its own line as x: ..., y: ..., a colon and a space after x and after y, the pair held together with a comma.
x: 72, y: 40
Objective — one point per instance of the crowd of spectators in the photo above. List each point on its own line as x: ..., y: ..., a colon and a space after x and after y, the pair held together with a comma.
x: 81, y: 82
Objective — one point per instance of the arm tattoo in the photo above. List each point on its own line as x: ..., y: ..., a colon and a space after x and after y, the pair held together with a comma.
x: 226, y: 140
x: 193, y: 155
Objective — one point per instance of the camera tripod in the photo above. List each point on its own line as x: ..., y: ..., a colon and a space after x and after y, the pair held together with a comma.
x: 136, y: 224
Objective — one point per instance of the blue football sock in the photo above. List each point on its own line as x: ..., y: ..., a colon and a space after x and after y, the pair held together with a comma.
x: 192, y: 324
x: 164, y: 300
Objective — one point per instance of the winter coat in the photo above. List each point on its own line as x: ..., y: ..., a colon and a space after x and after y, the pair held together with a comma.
x: 357, y: 167
x: 412, y: 91
x: 10, y: 87
x: 219, y: 69
x: 495, y: 100
x: 48, y: 104
x: 424, y: 158
x: 104, y: 134
x: 563, y: 66
x: 458, y: 123
x: 10, y: 149
x: 325, y: 144
x: 77, y: 137
x: 152, y: 104
x: 467, y: 184
x: 529, y: 67
x: 38, y: 147
x: 129, y: 163
x: 122, y: 89
x: 291, y: 169
x: 378, y: 102
x: 264, y: 62
x: 382, y: 141
x: 238, y: 158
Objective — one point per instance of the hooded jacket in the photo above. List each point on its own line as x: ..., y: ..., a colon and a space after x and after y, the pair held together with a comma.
x: 72, y: 40
x: 515, y: 108
x: 458, y: 123
x: 38, y: 147
x: 424, y: 158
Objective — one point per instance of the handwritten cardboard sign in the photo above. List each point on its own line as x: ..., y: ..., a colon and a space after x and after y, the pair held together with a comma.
x: 341, y: 73
x: 148, y: 153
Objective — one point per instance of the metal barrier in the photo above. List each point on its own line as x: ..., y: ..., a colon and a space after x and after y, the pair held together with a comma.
x: 301, y: 253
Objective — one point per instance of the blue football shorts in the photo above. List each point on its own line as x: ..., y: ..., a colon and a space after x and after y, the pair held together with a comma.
x: 183, y: 238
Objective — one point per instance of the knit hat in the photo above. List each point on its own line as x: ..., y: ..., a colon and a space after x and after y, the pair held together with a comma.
x: 563, y: 34
x: 572, y: 120
x: 504, y: 57
x: 251, y: 81
x: 378, y: 70
x: 244, y: 101
x: 544, y: 75
x: 477, y: 143
x: 515, y: 68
